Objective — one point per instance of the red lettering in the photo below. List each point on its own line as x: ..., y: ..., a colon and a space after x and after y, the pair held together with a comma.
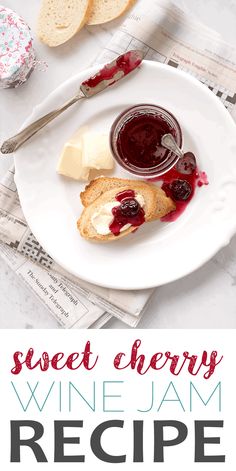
x: 44, y: 362
x: 212, y: 364
x: 137, y: 362
x: 18, y: 365
x: 140, y: 363
x: 71, y: 359
x: 55, y: 360
x: 86, y: 357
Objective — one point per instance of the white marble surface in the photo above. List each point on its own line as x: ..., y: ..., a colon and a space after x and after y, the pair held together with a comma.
x: 205, y: 299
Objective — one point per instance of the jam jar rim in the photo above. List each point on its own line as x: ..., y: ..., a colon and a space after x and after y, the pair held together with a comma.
x: 171, y: 159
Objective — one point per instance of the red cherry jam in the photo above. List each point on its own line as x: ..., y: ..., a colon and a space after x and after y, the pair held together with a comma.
x: 139, y: 140
x: 124, y: 63
x: 128, y: 212
x: 180, y: 184
x: 125, y: 194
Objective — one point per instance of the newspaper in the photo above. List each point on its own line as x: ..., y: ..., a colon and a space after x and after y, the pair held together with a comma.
x: 166, y: 35
x: 73, y: 302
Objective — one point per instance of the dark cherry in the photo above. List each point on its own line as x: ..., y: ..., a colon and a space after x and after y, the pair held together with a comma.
x: 180, y: 190
x: 187, y: 164
x: 130, y: 207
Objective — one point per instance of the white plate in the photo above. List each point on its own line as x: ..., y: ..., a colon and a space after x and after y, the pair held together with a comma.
x: 157, y: 253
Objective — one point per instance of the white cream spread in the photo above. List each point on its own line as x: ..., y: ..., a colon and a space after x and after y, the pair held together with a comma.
x: 103, y: 217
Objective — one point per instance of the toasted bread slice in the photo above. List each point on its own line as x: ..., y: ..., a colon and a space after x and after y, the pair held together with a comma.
x: 59, y: 20
x: 97, y: 187
x: 107, y: 10
x: 85, y: 226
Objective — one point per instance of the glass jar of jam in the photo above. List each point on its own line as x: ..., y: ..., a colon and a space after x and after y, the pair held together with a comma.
x: 135, y: 140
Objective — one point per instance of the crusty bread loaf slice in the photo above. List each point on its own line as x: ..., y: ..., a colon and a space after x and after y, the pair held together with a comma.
x: 85, y: 226
x: 106, y: 10
x: 59, y: 20
x: 99, y: 186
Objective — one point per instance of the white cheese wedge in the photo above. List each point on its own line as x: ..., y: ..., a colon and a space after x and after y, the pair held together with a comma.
x: 70, y: 162
x: 96, y: 151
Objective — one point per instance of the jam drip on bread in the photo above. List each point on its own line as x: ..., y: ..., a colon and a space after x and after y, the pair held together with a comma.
x: 128, y: 212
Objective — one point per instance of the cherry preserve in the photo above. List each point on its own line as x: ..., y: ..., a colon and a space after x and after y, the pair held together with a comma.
x: 139, y: 140
x: 129, y: 212
x: 180, y: 184
x: 123, y: 64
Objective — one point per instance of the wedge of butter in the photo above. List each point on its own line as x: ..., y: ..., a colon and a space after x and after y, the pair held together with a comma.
x: 85, y: 151
x: 70, y: 162
x: 96, y: 151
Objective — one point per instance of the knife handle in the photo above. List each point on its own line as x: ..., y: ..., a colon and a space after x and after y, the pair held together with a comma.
x: 16, y: 141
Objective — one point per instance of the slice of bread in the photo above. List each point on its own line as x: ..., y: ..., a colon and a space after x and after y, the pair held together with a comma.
x: 85, y: 225
x: 97, y: 187
x: 106, y: 10
x: 59, y: 20
x: 104, y: 190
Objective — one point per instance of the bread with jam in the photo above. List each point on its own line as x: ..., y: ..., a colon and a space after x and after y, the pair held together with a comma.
x: 114, y: 208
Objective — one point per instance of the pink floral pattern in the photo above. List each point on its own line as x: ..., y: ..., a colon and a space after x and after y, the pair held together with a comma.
x: 17, y: 54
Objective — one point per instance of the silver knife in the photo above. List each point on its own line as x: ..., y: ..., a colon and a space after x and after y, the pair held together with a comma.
x: 107, y: 76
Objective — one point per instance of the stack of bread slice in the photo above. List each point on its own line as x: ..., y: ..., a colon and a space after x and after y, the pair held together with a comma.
x: 60, y: 20
x: 104, y: 190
